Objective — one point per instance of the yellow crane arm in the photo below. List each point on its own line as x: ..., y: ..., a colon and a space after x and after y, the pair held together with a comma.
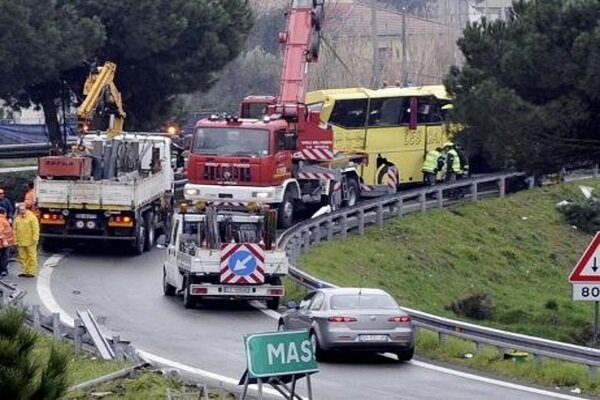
x: 95, y: 87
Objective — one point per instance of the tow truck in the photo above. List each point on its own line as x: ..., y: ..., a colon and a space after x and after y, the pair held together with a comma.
x: 218, y: 254
x: 286, y: 157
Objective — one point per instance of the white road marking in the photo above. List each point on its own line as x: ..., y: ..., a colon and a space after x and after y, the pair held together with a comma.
x: 45, y: 294
x: 496, y: 382
x: 201, y: 372
x: 45, y: 291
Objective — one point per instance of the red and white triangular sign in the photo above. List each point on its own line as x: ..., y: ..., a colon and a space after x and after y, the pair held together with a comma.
x: 587, y: 269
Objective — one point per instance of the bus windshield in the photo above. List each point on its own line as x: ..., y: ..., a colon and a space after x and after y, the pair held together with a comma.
x: 231, y: 142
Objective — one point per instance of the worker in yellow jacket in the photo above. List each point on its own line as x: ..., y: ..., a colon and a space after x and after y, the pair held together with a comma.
x: 27, y: 235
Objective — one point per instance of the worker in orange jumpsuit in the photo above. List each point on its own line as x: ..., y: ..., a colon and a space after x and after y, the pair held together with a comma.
x: 7, y: 240
x: 27, y: 235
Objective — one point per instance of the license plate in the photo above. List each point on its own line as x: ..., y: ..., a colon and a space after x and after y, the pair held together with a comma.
x: 236, y: 289
x: 373, y: 338
x: 85, y: 216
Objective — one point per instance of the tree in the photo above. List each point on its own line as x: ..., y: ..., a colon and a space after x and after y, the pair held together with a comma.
x: 161, y: 47
x: 39, y: 39
x: 22, y: 376
x: 529, y: 94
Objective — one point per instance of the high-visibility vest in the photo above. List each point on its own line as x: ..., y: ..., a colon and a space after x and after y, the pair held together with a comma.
x: 453, y: 161
x: 431, y: 161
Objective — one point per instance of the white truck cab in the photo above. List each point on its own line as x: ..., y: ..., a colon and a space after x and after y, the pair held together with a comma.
x: 224, y: 255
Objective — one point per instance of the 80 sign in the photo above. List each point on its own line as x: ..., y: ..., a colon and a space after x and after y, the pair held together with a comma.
x: 586, y: 292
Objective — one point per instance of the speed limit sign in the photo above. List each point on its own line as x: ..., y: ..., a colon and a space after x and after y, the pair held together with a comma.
x: 589, y: 292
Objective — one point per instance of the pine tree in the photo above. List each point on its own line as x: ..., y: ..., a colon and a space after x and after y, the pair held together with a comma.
x: 22, y: 375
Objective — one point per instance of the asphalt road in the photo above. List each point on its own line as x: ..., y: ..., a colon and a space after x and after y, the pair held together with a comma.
x: 125, y: 295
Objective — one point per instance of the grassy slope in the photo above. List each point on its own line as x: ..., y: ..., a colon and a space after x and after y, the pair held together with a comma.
x: 518, y: 250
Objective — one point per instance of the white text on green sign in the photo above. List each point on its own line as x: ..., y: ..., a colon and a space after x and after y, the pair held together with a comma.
x: 280, y: 353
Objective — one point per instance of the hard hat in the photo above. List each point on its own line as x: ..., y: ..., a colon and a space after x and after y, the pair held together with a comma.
x: 448, y: 144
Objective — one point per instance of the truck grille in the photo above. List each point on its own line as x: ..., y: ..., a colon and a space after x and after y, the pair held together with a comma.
x: 227, y: 174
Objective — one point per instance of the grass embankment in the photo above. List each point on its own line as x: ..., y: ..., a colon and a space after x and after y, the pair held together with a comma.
x: 518, y: 251
x: 142, y: 385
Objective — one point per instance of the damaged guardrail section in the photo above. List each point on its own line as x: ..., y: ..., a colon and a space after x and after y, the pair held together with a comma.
x: 304, y: 235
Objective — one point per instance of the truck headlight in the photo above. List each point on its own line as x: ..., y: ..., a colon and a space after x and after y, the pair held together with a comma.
x: 261, y: 195
x: 192, y: 192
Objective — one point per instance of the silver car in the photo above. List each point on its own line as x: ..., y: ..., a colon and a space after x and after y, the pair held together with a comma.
x: 352, y: 319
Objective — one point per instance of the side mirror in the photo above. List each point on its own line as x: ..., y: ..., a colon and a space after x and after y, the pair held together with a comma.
x: 289, y: 142
x: 292, y: 305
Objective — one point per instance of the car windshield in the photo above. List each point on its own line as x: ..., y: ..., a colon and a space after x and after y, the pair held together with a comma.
x: 362, y: 301
x: 232, y: 141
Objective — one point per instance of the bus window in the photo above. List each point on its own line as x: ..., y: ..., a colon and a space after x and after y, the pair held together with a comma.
x: 349, y: 113
x: 387, y: 112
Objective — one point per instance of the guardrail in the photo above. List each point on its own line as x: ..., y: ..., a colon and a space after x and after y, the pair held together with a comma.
x: 306, y: 234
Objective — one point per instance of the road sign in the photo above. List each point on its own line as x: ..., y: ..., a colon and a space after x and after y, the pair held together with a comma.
x: 587, y: 269
x: 242, y: 263
x: 280, y: 353
x: 586, y: 291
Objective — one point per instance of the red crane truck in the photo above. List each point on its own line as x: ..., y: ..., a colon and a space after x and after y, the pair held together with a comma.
x: 284, y: 156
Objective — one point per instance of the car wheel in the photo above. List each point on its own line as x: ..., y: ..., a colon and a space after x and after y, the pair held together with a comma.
x: 314, y: 341
x: 168, y: 289
x: 188, y: 299
x: 406, y: 354
x: 273, y: 303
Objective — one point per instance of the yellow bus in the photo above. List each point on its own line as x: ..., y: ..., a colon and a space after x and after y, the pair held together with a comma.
x: 395, y: 126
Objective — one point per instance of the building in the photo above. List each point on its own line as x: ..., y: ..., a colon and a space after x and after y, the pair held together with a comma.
x: 410, y: 49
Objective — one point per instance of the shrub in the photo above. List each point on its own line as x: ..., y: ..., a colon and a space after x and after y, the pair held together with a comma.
x: 477, y: 306
x: 585, y: 215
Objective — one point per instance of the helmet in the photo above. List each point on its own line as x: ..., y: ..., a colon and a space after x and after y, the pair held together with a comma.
x: 448, y: 144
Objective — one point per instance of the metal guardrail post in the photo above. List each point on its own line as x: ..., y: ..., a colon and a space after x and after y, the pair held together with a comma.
x: 441, y: 338
x: 77, y: 334
x: 306, y: 239
x: 361, y: 221
x: 423, y: 202
x: 502, y: 186
x: 344, y: 226
x: 35, y: 310
x: 380, y: 216
x: 474, y: 191
x: 595, y: 171
x: 593, y: 372
x: 2, y: 299
x: 440, y: 198
x: 479, y: 347
x: 56, y: 325
x: 317, y: 234
x: 538, y: 359
x: 329, y: 229
x: 399, y: 207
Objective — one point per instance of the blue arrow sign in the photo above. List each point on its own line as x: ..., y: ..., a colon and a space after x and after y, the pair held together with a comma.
x: 242, y: 263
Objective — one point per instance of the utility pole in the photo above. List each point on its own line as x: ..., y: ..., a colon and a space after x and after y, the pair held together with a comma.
x: 376, y: 68
x: 404, y: 49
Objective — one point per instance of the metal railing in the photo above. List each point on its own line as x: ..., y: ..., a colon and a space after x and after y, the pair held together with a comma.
x: 306, y: 234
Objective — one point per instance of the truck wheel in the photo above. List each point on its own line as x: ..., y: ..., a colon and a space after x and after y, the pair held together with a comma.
x: 285, y: 211
x: 140, y: 238
x: 150, y: 231
x: 50, y: 245
x: 273, y: 303
x: 352, y: 194
x: 168, y: 289
x: 188, y: 299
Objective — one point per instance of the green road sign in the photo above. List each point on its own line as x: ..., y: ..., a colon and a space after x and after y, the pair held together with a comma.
x: 279, y: 353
